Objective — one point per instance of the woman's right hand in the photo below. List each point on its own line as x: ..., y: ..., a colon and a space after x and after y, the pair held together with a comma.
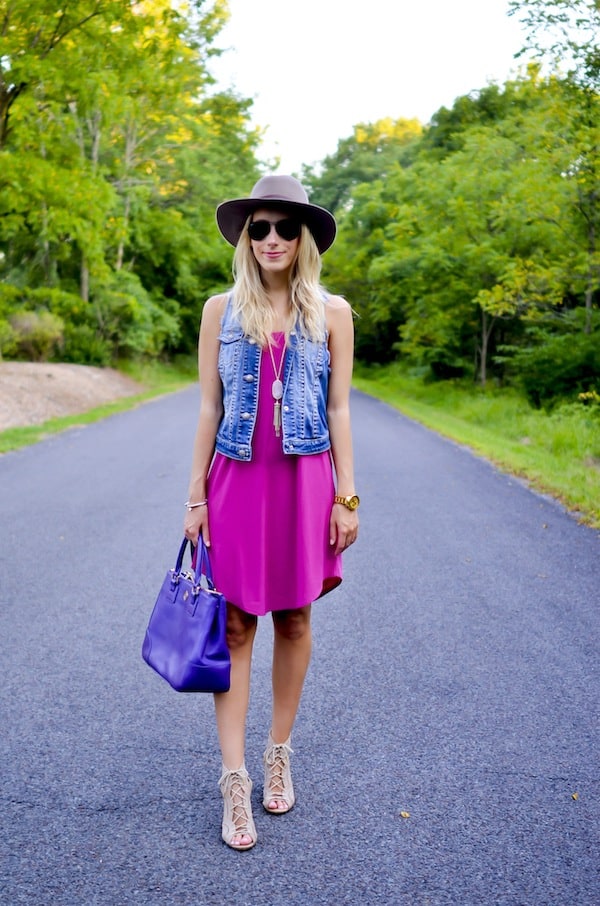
x: 196, y: 524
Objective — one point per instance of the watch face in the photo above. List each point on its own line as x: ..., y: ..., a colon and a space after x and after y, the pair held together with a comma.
x: 353, y: 502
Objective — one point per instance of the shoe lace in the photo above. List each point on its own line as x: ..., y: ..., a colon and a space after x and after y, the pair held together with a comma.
x: 277, y: 758
x: 238, y: 792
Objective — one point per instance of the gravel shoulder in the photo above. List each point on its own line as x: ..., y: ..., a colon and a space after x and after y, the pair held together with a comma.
x: 32, y: 392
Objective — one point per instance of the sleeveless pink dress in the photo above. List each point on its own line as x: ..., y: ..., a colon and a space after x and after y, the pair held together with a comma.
x: 269, y: 518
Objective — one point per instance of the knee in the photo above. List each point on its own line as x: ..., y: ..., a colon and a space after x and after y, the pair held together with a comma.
x: 293, y: 625
x: 241, y: 628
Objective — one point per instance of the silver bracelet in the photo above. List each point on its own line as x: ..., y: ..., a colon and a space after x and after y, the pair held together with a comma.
x: 192, y: 506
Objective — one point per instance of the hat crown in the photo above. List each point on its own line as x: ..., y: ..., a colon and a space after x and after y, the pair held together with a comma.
x: 279, y: 188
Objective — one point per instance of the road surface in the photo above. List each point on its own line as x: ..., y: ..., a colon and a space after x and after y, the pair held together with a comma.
x: 454, y: 681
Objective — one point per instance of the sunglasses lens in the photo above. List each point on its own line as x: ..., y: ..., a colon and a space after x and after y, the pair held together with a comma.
x: 287, y: 229
x: 259, y: 229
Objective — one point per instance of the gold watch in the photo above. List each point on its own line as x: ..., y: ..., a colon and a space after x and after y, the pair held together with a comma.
x: 351, y: 501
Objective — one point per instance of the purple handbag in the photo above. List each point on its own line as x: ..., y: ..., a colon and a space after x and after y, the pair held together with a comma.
x: 186, y: 640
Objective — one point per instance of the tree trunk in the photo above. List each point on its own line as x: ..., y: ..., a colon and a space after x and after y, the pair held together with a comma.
x: 121, y: 246
x: 7, y: 98
x: 487, y: 325
x: 484, y: 349
x: 589, y: 290
x: 84, y: 282
x: 129, y: 158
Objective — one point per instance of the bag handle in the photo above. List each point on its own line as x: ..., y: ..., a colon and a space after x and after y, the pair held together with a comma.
x: 203, y: 567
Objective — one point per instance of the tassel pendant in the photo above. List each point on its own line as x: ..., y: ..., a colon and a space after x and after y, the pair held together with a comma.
x: 277, y: 417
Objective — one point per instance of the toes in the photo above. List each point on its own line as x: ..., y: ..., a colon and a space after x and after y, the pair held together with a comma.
x: 241, y: 840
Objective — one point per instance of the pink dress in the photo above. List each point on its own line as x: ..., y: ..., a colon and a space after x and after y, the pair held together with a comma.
x: 269, y: 518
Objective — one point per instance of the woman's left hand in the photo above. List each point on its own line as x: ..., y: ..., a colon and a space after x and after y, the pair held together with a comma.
x: 343, y: 527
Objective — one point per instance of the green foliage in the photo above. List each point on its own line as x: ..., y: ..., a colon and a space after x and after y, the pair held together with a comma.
x: 114, y: 151
x: 121, y: 319
x: 372, y: 152
x: 461, y: 244
x: 129, y: 322
x: 565, y: 365
x: 33, y: 336
x: 564, y: 33
x: 488, y: 226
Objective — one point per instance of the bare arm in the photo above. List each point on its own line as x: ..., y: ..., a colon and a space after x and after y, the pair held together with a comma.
x: 211, y: 411
x: 343, y: 522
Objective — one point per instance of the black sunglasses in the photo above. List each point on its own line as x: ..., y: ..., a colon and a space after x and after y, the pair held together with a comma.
x: 287, y: 229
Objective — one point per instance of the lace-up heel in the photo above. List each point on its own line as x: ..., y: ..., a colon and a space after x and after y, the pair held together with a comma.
x: 278, y: 779
x: 238, y: 822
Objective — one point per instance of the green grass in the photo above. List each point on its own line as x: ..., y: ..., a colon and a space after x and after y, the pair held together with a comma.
x: 155, y: 378
x: 558, y: 453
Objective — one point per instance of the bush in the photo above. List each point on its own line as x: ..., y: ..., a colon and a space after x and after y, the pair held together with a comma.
x: 560, y: 369
x: 83, y: 346
x: 121, y: 320
x: 130, y: 321
x: 35, y: 335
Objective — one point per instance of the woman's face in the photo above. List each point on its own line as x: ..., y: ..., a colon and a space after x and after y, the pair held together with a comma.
x: 273, y: 252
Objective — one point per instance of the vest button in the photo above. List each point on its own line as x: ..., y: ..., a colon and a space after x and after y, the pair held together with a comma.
x: 245, y: 416
x: 249, y: 378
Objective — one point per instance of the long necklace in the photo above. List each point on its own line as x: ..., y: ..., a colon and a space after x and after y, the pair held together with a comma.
x: 277, y: 389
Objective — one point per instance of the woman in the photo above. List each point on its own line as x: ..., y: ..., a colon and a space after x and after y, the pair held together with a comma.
x: 275, y: 364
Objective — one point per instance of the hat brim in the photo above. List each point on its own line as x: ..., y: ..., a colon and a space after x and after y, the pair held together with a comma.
x: 232, y: 215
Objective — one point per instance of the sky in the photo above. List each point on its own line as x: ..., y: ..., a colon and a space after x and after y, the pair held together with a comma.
x: 317, y: 68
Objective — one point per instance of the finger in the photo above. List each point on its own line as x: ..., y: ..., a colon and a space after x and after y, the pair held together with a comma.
x: 332, y: 532
x: 206, y: 532
x: 341, y: 542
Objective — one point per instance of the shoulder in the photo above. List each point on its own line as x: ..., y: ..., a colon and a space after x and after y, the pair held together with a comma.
x: 213, y: 309
x: 337, y: 311
x: 212, y: 314
x: 216, y: 304
x: 335, y: 303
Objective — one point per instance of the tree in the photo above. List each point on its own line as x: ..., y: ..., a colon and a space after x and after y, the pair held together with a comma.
x: 31, y: 32
x: 370, y: 153
x: 449, y: 251
x: 565, y: 34
x: 117, y: 153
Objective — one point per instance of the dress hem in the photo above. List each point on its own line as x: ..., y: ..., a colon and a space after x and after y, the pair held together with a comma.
x: 329, y: 585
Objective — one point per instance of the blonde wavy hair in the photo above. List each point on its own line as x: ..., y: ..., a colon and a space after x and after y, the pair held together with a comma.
x: 307, y: 296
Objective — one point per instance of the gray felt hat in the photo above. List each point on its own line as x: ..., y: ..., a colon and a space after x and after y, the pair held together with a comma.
x: 276, y: 191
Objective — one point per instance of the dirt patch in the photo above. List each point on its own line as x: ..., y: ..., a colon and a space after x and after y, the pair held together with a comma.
x: 32, y: 393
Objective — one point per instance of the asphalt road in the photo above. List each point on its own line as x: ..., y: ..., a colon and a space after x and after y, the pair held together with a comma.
x: 454, y: 679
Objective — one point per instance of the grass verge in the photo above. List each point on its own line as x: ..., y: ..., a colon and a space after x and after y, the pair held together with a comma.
x: 557, y: 453
x: 155, y: 378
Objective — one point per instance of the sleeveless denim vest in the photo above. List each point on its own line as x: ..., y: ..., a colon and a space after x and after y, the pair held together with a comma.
x: 305, y: 384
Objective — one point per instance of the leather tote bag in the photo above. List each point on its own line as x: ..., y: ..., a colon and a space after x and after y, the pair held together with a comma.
x: 186, y: 641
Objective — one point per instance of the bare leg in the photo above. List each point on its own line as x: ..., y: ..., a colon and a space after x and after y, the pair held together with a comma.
x: 291, y: 657
x: 231, y: 707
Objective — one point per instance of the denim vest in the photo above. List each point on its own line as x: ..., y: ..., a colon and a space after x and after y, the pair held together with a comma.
x: 304, y: 403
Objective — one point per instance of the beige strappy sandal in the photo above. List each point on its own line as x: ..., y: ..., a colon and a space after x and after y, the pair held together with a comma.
x: 236, y: 787
x: 278, y: 778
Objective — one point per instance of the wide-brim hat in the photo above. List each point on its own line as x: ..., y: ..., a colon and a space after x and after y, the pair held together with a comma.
x: 277, y: 191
